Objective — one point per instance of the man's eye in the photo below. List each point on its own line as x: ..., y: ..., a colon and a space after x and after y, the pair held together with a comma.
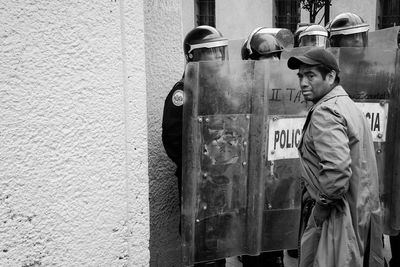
x: 310, y: 76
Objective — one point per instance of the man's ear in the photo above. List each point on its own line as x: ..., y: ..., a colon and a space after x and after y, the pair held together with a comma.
x: 331, y: 77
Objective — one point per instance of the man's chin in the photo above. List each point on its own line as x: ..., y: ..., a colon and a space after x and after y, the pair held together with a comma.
x: 307, y: 97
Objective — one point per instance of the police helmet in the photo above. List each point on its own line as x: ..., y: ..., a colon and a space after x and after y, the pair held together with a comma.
x: 300, y: 28
x: 314, y: 35
x: 347, y: 28
x: 261, y: 44
x: 204, y: 37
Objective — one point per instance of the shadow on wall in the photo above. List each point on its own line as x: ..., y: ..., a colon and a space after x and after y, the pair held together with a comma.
x: 165, y: 249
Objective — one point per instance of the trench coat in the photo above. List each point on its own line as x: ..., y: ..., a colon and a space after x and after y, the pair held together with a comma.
x: 339, y: 166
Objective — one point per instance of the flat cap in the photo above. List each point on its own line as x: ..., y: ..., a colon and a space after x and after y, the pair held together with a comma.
x: 314, y: 56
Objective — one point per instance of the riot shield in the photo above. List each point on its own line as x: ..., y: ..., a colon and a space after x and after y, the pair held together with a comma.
x: 283, y: 122
x: 385, y: 38
x: 240, y: 185
x: 242, y: 123
x: 370, y: 76
x: 221, y: 111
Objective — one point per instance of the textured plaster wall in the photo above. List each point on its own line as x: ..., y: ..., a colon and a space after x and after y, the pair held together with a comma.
x: 164, y: 67
x: 73, y: 153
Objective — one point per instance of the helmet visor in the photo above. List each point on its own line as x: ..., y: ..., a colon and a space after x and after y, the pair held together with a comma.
x: 313, y: 40
x: 208, y: 45
x: 352, y: 40
x: 210, y: 54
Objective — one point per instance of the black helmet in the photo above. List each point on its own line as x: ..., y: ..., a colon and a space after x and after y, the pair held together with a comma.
x: 347, y: 26
x: 261, y: 43
x: 314, y: 35
x: 203, y: 37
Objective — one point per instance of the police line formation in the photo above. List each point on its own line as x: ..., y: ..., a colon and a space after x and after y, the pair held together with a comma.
x: 291, y: 148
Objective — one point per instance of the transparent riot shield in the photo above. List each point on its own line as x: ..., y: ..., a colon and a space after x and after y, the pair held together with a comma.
x: 240, y: 172
x: 223, y: 114
x: 242, y: 123
x: 384, y: 38
x: 283, y: 122
x: 370, y: 76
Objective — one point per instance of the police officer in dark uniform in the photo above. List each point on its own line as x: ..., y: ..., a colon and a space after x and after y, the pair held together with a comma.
x: 203, y: 43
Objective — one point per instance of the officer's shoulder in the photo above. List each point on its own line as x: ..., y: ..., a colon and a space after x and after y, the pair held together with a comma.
x: 175, y: 96
x: 178, y: 86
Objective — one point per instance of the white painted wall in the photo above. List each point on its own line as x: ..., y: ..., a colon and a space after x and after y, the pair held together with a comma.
x: 367, y: 9
x: 188, y: 19
x: 237, y: 18
x: 73, y: 134
x: 234, y: 18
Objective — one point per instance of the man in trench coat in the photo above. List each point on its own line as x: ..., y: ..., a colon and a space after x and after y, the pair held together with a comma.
x: 339, y: 171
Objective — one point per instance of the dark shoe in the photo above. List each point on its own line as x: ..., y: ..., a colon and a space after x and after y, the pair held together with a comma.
x: 270, y: 259
x: 294, y: 253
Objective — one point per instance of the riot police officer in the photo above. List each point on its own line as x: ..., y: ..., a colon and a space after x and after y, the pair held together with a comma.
x: 261, y: 45
x: 300, y: 28
x: 348, y: 30
x: 314, y: 35
x: 203, y: 43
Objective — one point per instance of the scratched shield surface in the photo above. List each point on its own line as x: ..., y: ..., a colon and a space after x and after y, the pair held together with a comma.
x: 222, y: 146
x: 237, y: 198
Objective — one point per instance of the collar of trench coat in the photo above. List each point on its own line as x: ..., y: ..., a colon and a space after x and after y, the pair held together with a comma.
x: 335, y: 92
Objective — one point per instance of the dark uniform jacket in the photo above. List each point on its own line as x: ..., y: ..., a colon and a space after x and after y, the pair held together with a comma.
x: 172, y: 128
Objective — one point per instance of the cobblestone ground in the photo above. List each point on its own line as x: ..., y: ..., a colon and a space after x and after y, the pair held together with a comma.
x: 292, y: 262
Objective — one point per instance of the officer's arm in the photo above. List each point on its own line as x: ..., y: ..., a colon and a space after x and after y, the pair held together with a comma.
x: 329, y: 131
x: 172, y: 130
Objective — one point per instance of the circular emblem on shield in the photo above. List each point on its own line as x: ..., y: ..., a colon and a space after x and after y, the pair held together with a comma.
x: 177, y: 98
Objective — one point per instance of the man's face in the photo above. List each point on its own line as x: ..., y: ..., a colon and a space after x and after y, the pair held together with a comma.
x: 209, y: 54
x: 313, y: 85
x: 351, y: 40
x: 313, y: 40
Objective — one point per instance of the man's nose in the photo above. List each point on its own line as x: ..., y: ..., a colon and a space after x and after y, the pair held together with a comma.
x: 303, y: 82
x: 357, y: 41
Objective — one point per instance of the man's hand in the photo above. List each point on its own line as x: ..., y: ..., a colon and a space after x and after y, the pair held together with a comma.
x: 320, y: 213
